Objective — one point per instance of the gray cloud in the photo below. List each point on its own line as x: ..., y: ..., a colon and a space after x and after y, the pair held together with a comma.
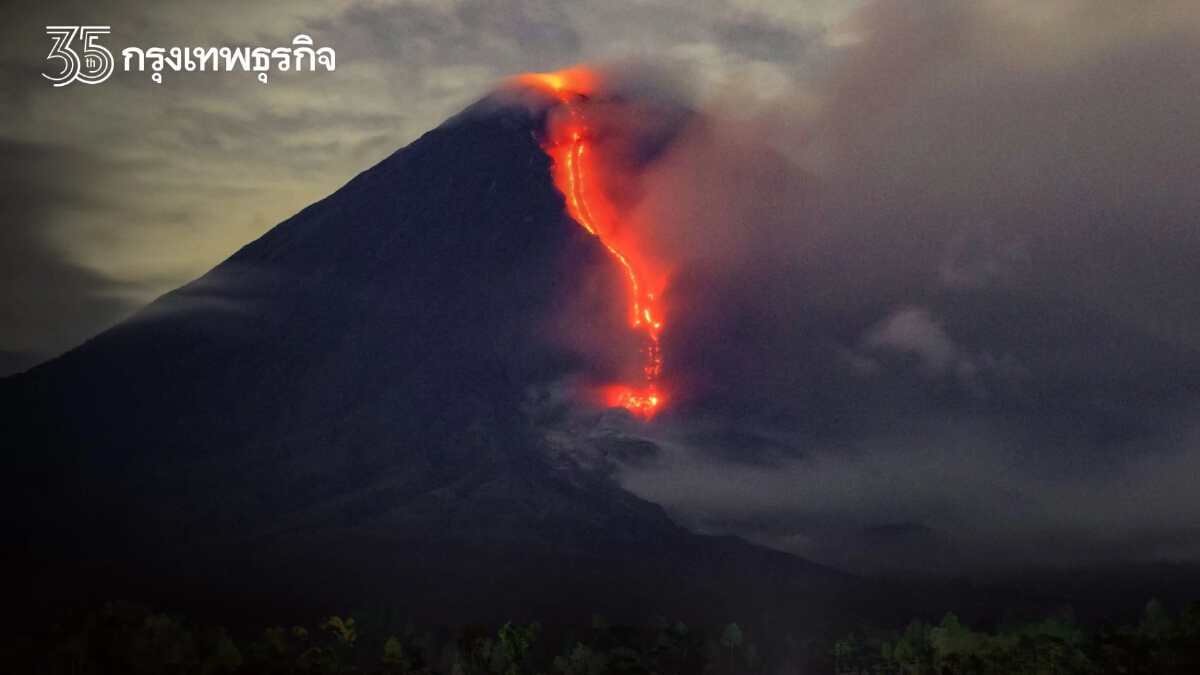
x: 49, y: 304
x: 945, y: 290
x: 758, y: 38
x: 991, y: 497
x: 914, y: 331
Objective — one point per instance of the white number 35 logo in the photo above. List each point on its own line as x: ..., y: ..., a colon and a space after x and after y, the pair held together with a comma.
x: 95, y: 64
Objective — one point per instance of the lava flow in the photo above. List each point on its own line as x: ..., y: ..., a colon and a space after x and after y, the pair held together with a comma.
x: 570, y: 146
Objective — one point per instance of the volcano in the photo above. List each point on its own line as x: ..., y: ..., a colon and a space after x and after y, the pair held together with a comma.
x: 334, y: 415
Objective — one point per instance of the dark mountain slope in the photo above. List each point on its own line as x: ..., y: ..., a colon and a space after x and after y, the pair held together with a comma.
x: 330, y: 416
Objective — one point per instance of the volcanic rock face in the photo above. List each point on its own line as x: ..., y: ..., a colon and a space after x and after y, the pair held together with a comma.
x: 332, y: 416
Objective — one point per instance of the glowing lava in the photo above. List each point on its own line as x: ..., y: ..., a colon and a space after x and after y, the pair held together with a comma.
x: 569, y: 145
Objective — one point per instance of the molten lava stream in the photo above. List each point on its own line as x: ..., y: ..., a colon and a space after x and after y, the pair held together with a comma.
x: 568, y: 146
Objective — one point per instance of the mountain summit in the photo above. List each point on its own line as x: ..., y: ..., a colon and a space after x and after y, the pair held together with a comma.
x: 332, y: 415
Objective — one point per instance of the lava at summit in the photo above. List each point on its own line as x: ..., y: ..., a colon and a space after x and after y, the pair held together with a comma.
x: 570, y: 146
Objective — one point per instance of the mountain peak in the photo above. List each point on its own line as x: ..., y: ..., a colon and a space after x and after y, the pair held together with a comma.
x: 333, y: 415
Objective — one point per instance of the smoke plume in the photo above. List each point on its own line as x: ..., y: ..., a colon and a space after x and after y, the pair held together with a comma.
x: 946, y: 285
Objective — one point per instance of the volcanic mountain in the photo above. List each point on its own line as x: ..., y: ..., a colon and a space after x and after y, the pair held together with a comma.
x: 333, y: 415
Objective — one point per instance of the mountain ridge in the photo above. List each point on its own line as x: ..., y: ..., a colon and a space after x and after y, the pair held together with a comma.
x: 332, y: 415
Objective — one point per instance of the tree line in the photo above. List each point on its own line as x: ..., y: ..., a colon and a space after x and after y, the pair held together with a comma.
x: 128, y: 638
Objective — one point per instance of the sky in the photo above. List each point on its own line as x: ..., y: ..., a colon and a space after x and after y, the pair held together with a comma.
x: 973, y: 241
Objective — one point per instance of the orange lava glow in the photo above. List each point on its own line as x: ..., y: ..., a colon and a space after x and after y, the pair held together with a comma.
x: 570, y: 145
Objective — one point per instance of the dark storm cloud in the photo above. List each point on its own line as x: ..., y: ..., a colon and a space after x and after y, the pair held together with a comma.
x: 966, y: 301
x: 49, y: 304
x: 993, y: 495
x: 18, y: 81
x: 936, y: 172
x: 306, y: 154
x: 528, y: 33
x: 757, y: 37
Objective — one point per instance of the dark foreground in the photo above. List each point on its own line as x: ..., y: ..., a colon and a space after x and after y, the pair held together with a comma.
x: 125, y: 637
